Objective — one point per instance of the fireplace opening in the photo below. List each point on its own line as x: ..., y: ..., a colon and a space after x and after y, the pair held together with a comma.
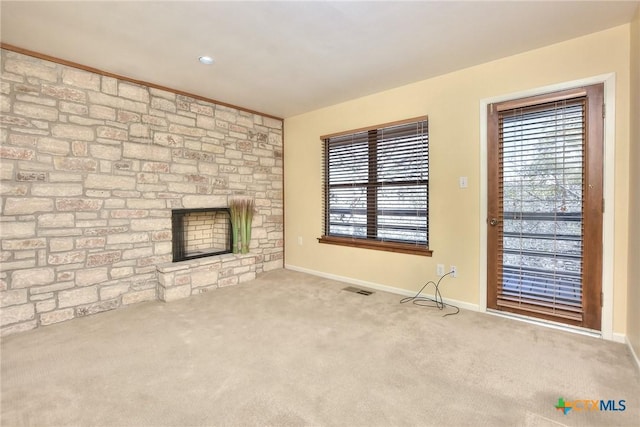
x: 198, y: 233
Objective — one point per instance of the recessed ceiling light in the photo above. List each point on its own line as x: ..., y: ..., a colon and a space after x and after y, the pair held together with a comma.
x: 207, y: 60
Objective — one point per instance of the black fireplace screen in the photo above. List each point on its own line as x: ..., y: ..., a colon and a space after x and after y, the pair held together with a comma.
x: 199, y: 233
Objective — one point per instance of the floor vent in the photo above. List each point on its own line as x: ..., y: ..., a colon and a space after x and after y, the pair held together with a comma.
x: 357, y: 291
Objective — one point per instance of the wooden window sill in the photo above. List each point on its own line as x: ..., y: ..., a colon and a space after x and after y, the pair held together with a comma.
x: 404, y: 248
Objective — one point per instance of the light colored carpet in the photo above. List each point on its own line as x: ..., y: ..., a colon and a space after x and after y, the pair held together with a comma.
x: 289, y: 349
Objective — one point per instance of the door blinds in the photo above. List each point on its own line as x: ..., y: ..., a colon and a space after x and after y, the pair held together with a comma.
x: 540, y: 196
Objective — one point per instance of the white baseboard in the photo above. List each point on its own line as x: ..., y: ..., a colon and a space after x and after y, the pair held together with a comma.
x: 618, y: 337
x: 633, y: 353
x: 379, y: 287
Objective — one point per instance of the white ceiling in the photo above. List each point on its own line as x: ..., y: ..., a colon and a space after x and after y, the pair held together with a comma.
x: 287, y: 58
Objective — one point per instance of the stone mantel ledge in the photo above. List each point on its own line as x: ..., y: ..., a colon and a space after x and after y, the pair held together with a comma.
x: 202, y: 201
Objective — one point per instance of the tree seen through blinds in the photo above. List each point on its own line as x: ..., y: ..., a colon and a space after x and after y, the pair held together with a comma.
x: 541, y: 200
x: 376, y: 184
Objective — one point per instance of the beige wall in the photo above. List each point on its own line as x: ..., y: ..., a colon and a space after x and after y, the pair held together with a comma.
x: 452, y: 102
x: 633, y: 301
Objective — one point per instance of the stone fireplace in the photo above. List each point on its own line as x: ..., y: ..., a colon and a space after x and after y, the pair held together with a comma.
x: 199, y: 233
x: 93, y: 168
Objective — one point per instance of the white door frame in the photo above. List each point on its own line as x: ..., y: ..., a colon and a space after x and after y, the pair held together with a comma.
x: 609, y: 81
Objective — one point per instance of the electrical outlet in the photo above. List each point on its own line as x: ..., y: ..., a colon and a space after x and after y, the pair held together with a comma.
x: 300, y: 240
x: 454, y: 271
x: 440, y: 270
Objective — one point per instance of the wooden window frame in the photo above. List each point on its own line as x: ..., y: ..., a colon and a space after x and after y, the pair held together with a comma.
x: 370, y: 243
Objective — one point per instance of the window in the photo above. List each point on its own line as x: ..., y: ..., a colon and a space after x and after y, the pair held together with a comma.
x: 376, y: 187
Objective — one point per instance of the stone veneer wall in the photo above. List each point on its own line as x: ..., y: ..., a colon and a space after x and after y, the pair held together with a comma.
x: 91, y: 167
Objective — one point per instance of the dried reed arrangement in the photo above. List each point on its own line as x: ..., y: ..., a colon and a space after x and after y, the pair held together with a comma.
x: 241, y: 211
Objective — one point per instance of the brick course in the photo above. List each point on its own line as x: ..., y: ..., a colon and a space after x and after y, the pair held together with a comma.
x: 91, y: 167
